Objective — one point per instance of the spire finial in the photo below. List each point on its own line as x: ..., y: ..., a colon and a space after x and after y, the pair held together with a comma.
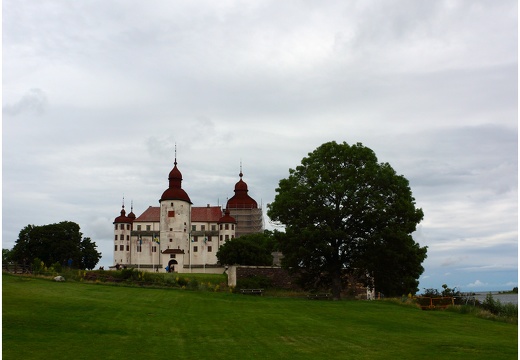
x: 132, y: 206
x: 123, y: 201
x: 240, y: 169
x: 175, y: 161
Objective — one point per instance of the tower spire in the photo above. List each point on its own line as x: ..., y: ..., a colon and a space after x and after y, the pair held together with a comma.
x: 175, y: 161
x: 241, y: 169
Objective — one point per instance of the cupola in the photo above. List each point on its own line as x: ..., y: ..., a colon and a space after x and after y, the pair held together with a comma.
x: 122, y: 218
x: 175, y: 191
x: 227, y: 219
x: 241, y: 200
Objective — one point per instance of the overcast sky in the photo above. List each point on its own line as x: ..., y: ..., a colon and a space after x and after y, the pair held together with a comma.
x: 96, y: 94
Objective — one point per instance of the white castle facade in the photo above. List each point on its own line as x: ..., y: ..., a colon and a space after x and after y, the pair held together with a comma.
x: 178, y: 237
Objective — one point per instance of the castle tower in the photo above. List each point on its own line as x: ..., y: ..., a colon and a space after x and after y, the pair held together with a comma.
x: 245, y: 210
x: 122, y: 233
x: 227, y: 228
x: 175, y: 222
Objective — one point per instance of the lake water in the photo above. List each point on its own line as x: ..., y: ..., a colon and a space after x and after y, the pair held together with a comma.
x: 504, y: 298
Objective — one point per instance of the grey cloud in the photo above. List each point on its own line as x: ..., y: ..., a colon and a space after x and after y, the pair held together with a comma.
x: 34, y: 101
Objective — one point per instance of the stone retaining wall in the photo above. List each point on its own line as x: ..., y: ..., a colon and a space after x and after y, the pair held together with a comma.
x: 280, y: 278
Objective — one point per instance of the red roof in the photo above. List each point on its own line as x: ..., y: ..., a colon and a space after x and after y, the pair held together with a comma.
x: 241, y: 200
x: 152, y: 214
x: 175, y: 191
x: 123, y: 218
x: 198, y: 214
x: 227, y: 218
x: 206, y: 214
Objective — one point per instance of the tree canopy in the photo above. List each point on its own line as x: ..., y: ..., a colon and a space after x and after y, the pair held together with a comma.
x: 56, y: 243
x: 250, y: 249
x: 346, y: 213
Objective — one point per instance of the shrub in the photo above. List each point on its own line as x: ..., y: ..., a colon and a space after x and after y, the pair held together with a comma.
x: 181, y: 281
x: 38, y: 267
x: 497, y: 308
x: 57, y: 267
x: 193, y: 284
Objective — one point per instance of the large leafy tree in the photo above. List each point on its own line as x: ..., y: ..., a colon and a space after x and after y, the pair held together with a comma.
x: 61, y: 242
x: 346, y: 213
x: 250, y: 249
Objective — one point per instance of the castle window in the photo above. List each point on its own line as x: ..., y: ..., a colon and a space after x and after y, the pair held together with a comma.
x: 115, y: 247
x: 195, y: 248
x: 127, y: 247
x: 128, y: 227
x: 195, y: 239
x: 148, y: 228
x: 121, y: 237
x: 171, y: 240
x: 221, y: 238
x: 233, y: 227
x: 226, y: 226
x: 121, y: 247
x: 209, y: 238
x: 171, y: 213
x: 171, y: 204
x: 227, y: 237
x: 209, y: 249
x: 213, y: 227
x: 203, y: 227
x: 193, y: 227
x: 127, y: 237
x: 172, y: 256
x: 154, y: 248
x: 115, y: 238
x: 171, y: 229
x: 220, y: 226
x: 138, y: 227
x: 139, y: 248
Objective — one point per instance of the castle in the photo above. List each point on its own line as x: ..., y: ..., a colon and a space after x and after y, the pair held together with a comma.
x: 178, y: 237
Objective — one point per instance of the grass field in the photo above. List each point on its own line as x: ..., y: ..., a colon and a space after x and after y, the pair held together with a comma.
x: 71, y: 320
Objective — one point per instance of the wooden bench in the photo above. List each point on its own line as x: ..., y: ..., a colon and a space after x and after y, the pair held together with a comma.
x: 252, y: 291
x: 323, y: 296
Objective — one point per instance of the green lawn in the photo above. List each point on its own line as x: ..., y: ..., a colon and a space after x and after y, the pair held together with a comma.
x: 47, y: 320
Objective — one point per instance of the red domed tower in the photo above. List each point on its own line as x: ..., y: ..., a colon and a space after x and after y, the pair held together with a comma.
x: 175, y: 217
x: 122, y: 233
x: 227, y: 228
x: 245, y: 209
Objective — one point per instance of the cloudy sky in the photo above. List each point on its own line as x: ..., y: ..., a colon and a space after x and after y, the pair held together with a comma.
x: 96, y: 94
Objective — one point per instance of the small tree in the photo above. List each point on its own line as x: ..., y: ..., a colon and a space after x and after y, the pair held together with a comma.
x: 250, y: 249
x: 7, y: 256
x: 61, y: 242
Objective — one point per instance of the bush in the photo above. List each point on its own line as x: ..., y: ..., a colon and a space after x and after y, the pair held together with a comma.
x: 497, y: 308
x: 38, y: 267
x: 193, y: 284
x: 57, y: 267
x: 489, y: 309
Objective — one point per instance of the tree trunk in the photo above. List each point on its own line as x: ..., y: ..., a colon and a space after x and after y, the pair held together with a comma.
x: 336, y: 286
